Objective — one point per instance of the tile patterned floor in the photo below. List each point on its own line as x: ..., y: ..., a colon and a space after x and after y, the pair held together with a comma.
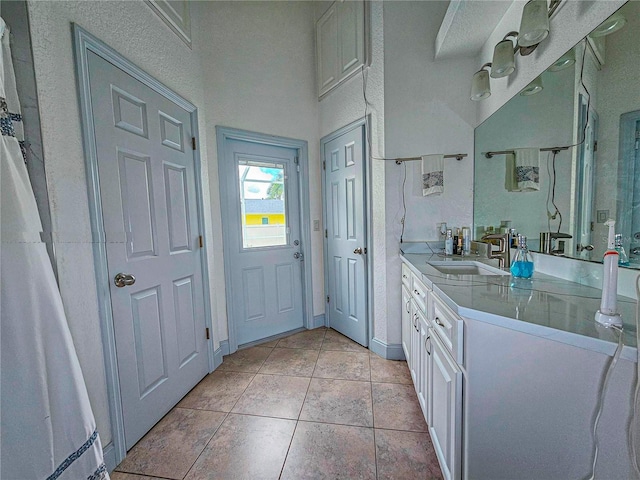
x: 314, y: 405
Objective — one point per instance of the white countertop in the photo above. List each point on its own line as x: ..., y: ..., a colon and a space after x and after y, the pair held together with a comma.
x: 544, y: 306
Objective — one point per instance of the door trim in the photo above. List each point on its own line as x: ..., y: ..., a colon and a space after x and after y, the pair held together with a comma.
x: 225, y: 134
x: 363, y: 123
x: 626, y: 143
x: 83, y: 43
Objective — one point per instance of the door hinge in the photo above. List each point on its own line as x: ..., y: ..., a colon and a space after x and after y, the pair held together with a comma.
x: 207, y: 333
x: 296, y: 160
x: 326, y: 234
x: 592, y: 227
x: 324, y: 164
x: 327, y: 298
x: 365, y: 250
x: 595, y: 146
x: 193, y: 143
x: 200, y: 241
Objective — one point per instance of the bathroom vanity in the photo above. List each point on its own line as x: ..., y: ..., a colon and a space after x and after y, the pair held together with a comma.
x: 508, y: 372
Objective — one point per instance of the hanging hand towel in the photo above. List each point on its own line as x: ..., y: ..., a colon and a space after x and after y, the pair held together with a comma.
x: 527, y: 169
x: 432, y: 174
x: 510, y: 179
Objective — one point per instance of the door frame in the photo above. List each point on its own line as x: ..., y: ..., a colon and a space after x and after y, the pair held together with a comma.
x: 83, y: 43
x: 223, y: 136
x: 625, y: 185
x: 362, y: 123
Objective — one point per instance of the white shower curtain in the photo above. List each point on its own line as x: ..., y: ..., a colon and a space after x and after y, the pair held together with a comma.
x: 47, y: 427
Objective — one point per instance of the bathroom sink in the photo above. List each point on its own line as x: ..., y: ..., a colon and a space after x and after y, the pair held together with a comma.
x: 466, y: 268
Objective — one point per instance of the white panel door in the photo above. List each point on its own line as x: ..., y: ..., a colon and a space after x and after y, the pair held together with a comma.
x: 350, y: 36
x: 261, y: 219
x: 150, y: 214
x: 346, y: 235
x: 326, y: 50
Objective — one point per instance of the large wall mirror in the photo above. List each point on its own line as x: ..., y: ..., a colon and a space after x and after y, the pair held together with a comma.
x: 579, y: 123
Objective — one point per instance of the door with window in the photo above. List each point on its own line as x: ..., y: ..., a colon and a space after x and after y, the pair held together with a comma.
x: 259, y: 190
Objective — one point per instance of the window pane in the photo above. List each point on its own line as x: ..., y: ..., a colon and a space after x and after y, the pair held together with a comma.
x: 262, y: 200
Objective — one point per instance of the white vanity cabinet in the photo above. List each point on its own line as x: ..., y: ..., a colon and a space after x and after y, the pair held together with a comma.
x: 340, y: 43
x: 432, y: 343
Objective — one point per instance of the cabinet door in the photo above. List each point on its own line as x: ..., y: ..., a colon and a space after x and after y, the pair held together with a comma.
x: 446, y: 409
x: 424, y: 371
x: 326, y: 50
x: 350, y: 36
x: 406, y: 324
x: 415, y: 344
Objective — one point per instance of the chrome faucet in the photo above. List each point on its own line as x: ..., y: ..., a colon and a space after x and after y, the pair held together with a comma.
x: 503, y: 254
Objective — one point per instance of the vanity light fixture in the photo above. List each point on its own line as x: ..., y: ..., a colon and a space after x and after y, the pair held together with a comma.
x: 564, y: 61
x: 504, y: 62
x: 533, y: 88
x: 612, y: 24
x: 534, y: 25
x: 480, y: 87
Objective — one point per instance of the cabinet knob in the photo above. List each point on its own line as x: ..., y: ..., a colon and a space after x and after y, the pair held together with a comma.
x: 425, y: 344
x: 438, y: 322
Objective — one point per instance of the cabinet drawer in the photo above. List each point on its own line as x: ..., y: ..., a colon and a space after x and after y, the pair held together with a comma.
x: 406, y: 275
x: 419, y: 292
x: 449, y: 328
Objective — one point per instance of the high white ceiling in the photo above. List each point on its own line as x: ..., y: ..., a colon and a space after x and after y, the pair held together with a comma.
x: 467, y: 25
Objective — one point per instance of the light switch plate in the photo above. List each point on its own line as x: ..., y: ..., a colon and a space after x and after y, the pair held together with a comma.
x: 316, y: 225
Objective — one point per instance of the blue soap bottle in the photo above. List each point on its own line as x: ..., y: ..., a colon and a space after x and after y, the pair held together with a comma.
x: 522, y: 265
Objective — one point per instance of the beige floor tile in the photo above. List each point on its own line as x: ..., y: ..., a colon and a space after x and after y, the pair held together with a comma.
x: 323, y: 451
x: 173, y: 445
x: 290, y: 361
x: 343, y: 402
x: 405, y: 455
x: 245, y: 447
x: 311, y: 340
x: 131, y: 476
x: 396, y: 407
x: 336, y: 341
x: 273, y: 396
x: 247, y: 360
x: 218, y: 391
x: 389, y: 371
x: 343, y: 365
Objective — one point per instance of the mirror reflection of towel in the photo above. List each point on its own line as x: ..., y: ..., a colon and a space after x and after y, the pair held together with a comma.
x: 432, y: 174
x: 523, y: 170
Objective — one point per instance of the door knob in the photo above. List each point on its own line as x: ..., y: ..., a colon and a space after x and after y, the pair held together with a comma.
x: 124, y: 280
x: 298, y: 255
x: 358, y: 251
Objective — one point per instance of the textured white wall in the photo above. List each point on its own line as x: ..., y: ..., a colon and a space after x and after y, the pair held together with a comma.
x: 136, y: 32
x: 259, y: 75
x: 427, y: 110
x: 344, y: 105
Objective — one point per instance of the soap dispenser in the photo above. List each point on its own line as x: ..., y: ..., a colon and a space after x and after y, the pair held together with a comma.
x: 623, y: 260
x: 522, y: 265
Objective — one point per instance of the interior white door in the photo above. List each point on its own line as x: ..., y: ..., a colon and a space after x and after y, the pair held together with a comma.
x: 346, y: 235
x: 150, y: 214
x: 261, y: 219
